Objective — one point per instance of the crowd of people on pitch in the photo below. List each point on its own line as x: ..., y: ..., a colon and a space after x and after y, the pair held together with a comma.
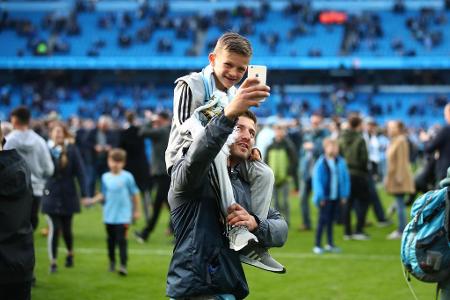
x: 362, y: 154
x: 64, y: 157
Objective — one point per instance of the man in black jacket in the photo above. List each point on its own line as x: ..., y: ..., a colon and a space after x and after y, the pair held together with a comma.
x: 440, y: 145
x: 158, y: 131
x: 16, y: 232
x: 202, y: 264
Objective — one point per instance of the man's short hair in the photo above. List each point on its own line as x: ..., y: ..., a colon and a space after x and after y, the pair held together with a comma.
x: 249, y: 114
x: 117, y: 155
x: 354, y: 120
x: 164, y: 115
x: 235, y: 43
x: 22, y: 114
x: 130, y: 116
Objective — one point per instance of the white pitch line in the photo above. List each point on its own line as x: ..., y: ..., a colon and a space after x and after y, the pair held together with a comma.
x: 293, y: 255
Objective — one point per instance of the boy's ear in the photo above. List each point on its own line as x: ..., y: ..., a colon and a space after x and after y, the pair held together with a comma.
x: 212, y: 58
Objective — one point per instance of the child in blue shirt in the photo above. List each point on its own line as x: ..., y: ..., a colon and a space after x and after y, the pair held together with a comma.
x: 118, y: 191
x: 331, y: 186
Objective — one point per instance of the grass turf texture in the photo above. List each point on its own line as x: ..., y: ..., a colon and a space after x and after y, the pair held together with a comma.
x: 364, y: 269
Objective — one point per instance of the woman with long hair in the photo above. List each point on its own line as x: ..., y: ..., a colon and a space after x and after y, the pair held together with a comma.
x: 61, y: 201
x: 399, y: 178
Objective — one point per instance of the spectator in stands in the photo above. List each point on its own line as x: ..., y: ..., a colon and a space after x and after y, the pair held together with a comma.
x: 399, y: 179
x: 34, y: 150
x: 158, y: 130
x: 353, y: 148
x: 331, y: 188
x: 16, y: 232
x: 61, y: 201
x: 440, y: 145
x: 312, y: 149
x: 281, y: 158
x: 137, y: 162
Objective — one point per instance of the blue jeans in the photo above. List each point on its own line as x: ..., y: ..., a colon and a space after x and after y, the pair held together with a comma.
x: 401, y: 210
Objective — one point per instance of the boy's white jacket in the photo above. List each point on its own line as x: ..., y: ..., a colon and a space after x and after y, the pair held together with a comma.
x: 189, y: 94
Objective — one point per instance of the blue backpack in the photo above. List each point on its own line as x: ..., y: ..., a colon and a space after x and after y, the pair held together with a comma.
x: 425, y: 248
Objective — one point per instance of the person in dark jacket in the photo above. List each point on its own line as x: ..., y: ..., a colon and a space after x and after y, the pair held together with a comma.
x: 137, y: 162
x: 16, y: 232
x: 100, y: 140
x: 354, y: 150
x: 440, y: 145
x: 60, y: 201
x: 158, y: 130
x: 202, y: 264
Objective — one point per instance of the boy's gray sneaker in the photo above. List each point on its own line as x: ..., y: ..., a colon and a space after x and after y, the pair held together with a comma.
x: 259, y: 257
x: 239, y: 237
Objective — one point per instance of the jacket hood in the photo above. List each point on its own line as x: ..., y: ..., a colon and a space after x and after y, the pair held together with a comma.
x: 24, y: 141
x: 14, y: 177
x: 348, y: 136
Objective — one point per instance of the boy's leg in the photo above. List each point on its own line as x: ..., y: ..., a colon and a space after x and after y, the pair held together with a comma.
x: 261, y: 179
x: 111, y: 239
x: 321, y: 223
x: 121, y: 239
x: 239, y: 236
x: 332, y: 206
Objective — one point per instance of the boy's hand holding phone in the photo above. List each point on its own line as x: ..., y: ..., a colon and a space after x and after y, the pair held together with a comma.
x: 259, y: 73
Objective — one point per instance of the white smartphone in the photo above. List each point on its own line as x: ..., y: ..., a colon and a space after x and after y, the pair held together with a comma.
x: 259, y: 72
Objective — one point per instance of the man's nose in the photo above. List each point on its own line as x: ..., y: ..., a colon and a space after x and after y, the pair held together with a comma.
x: 246, y: 135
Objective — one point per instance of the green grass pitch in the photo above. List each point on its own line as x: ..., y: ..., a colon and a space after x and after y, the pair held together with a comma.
x: 364, y: 270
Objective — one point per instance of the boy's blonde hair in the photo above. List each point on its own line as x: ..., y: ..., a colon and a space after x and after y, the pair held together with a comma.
x: 235, y: 43
x: 117, y: 155
x: 329, y: 141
